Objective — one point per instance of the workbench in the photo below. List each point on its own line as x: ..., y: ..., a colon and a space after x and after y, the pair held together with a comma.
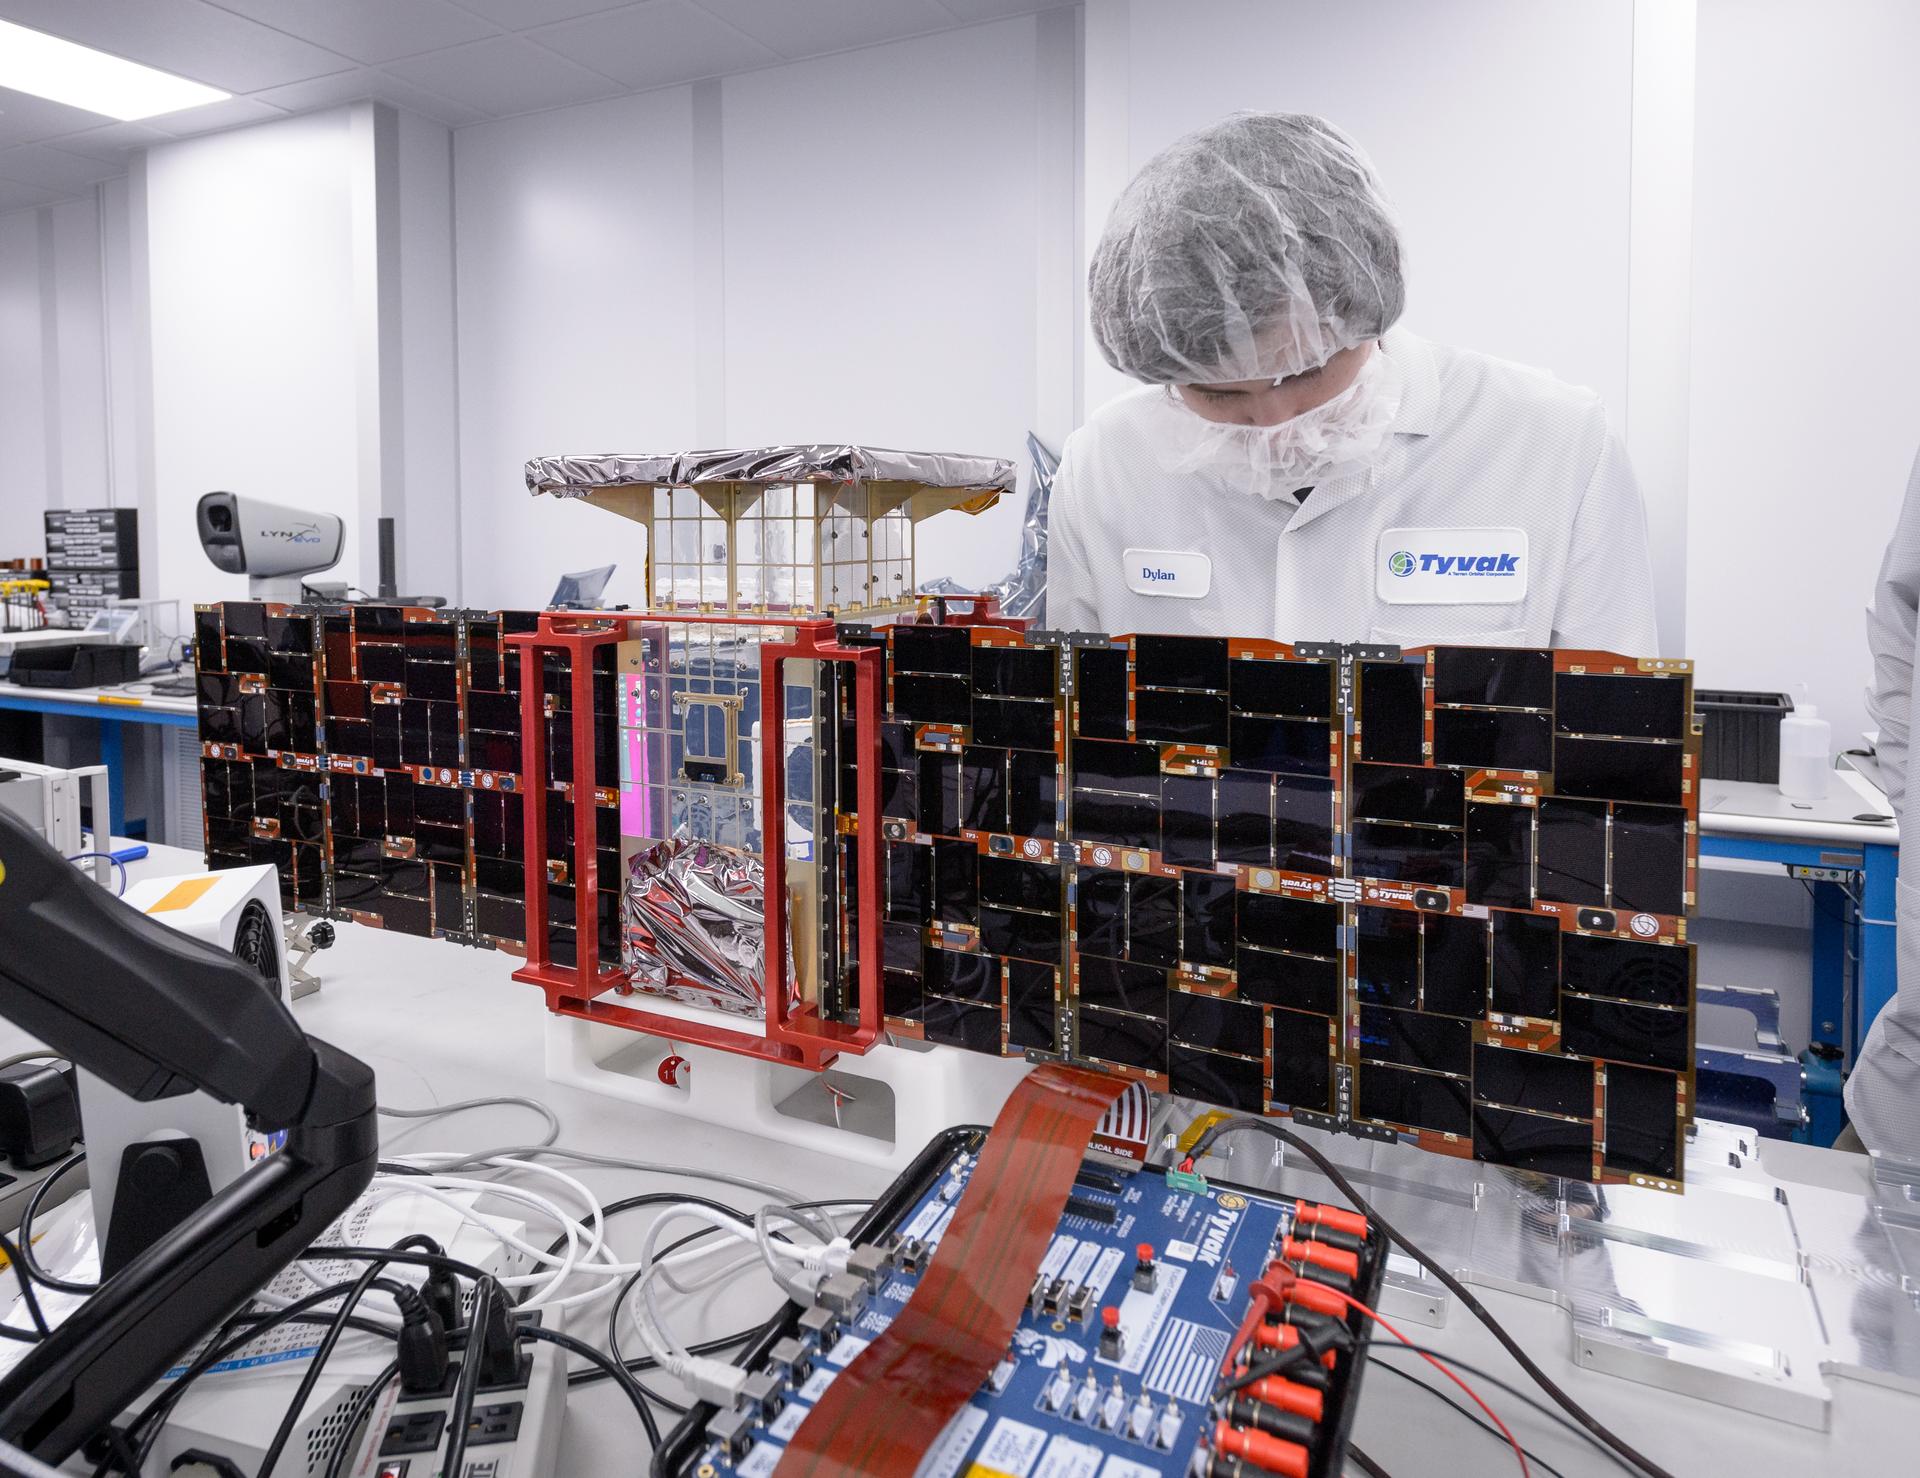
x: 1849, y: 843
x: 112, y: 708
x: 1776, y: 1266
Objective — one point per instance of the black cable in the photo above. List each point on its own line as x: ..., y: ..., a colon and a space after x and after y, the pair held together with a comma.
x: 1277, y: 1364
x: 1492, y: 1431
x: 27, y: 1260
x: 27, y: 1295
x: 1452, y: 1284
x: 460, y: 1412
x: 616, y: 1373
x: 1846, y: 921
x: 421, y: 1240
x: 335, y: 1328
x: 1525, y: 1398
x: 362, y: 1407
x: 217, y: 1349
x: 393, y: 1254
x: 1367, y: 1465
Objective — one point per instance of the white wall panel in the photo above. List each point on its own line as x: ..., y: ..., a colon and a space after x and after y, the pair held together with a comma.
x: 251, y: 297
x: 1806, y: 390
x: 576, y: 332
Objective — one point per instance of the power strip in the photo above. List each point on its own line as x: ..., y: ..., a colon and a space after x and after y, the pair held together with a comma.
x: 232, y: 1411
x: 513, y: 1430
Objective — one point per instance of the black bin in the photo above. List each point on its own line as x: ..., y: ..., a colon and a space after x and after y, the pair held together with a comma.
x: 75, y: 665
x: 1741, y: 733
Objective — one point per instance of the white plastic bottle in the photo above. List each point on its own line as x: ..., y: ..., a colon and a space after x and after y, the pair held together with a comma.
x: 1806, y: 755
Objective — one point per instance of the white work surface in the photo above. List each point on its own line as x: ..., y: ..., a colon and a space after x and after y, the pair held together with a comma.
x: 439, y: 1023
x: 1743, y: 808
x: 135, y: 695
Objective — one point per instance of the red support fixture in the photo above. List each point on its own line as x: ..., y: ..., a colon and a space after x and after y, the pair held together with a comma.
x: 795, y: 1036
x: 984, y: 611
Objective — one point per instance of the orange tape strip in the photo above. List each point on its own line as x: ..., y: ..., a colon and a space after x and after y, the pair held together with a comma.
x: 884, y: 1411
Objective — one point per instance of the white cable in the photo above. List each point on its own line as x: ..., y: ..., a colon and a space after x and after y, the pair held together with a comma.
x: 649, y: 1167
x: 425, y: 1186
x: 505, y: 1100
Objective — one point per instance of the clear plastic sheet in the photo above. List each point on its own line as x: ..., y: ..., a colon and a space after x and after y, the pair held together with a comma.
x: 1023, y: 592
x: 694, y: 924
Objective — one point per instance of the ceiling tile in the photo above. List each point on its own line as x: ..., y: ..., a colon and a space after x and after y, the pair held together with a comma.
x: 19, y: 197
x: 112, y: 143
x: 181, y: 36
x: 830, y: 25
x: 986, y: 10
x: 366, y: 82
x: 51, y: 169
x: 368, y: 30
x: 653, y: 45
x: 524, y: 15
x: 25, y: 118
x: 502, y: 76
x: 233, y: 113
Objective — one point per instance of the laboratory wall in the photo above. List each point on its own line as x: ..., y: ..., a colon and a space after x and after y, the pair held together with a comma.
x: 577, y: 332
x: 250, y: 257
x: 64, y: 432
x: 847, y: 248
x: 1805, y: 387
x: 23, y: 430
x: 920, y: 246
x: 1500, y: 128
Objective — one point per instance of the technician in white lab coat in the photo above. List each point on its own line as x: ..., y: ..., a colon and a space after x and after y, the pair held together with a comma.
x: 1297, y: 467
x: 1883, y: 1091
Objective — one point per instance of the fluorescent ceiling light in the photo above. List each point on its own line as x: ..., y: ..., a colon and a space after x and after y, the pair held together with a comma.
x: 67, y: 72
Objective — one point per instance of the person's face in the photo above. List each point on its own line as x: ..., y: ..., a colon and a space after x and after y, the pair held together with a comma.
x: 1263, y: 403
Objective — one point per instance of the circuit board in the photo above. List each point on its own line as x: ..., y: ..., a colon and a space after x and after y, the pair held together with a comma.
x: 1067, y: 1401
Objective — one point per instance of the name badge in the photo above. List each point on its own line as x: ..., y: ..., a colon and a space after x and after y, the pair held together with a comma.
x: 1177, y: 572
x: 1451, y: 567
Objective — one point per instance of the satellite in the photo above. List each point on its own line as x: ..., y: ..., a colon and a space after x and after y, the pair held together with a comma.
x: 1437, y: 893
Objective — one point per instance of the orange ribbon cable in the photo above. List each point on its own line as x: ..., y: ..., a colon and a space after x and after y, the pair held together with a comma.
x: 885, y: 1410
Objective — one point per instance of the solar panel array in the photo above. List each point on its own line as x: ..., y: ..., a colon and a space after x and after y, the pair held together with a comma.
x: 1437, y: 892
x: 372, y: 754
x: 1440, y: 892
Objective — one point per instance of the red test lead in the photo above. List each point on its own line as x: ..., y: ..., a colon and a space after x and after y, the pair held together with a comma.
x: 1274, y: 1454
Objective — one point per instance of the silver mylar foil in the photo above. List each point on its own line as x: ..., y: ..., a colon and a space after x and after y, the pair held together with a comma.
x: 1024, y: 592
x: 774, y: 466
x: 694, y: 926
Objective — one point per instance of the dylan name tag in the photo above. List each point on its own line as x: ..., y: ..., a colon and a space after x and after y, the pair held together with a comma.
x: 1175, y: 572
x: 1451, y: 567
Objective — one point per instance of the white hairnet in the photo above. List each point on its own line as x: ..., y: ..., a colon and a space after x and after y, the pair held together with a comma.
x: 1254, y: 249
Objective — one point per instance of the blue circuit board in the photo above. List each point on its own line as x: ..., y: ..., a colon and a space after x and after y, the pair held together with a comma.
x: 1057, y: 1406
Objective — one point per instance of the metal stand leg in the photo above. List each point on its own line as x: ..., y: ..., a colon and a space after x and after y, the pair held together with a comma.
x: 1879, y: 967
x: 113, y: 755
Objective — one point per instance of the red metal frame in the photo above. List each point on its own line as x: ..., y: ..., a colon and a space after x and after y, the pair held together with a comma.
x: 797, y: 1038
x: 985, y: 611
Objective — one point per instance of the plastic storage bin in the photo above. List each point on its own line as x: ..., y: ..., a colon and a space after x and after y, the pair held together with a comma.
x: 1741, y: 733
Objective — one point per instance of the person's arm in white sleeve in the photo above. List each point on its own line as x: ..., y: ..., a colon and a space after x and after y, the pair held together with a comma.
x: 1891, y: 632
x: 1606, y: 602
x: 1072, y: 602
x: 1883, y: 1090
